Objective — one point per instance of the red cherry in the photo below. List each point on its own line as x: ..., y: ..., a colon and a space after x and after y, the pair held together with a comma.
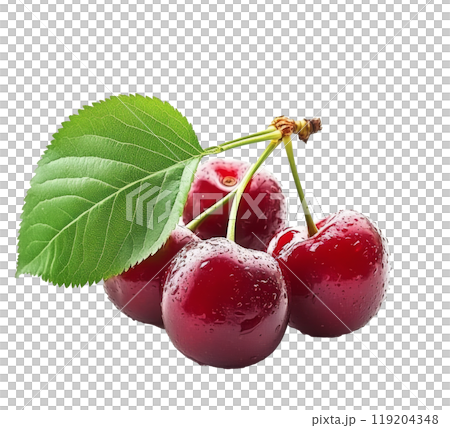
x: 224, y: 305
x: 337, y: 278
x: 137, y: 292
x: 262, y: 211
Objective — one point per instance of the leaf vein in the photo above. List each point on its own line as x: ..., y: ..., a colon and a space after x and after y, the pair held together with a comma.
x: 42, y: 224
x: 147, y: 132
x: 167, y: 126
x: 106, y: 235
x: 103, y: 159
x: 82, y: 242
x: 63, y: 196
x: 134, y: 145
x: 71, y: 248
x: 78, y: 178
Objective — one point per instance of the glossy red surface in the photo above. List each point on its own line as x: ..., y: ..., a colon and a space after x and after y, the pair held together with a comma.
x: 338, y: 278
x: 262, y: 210
x: 284, y: 237
x: 224, y: 305
x: 138, y: 291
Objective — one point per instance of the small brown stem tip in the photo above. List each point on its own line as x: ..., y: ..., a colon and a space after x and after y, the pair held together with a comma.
x: 306, y: 127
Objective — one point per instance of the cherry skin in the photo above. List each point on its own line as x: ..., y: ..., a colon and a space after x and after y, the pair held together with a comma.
x: 262, y: 210
x: 338, y: 278
x: 137, y: 292
x: 224, y: 305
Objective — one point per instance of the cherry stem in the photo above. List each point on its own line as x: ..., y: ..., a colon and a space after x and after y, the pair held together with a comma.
x: 271, y: 133
x: 193, y: 224
x: 243, y: 184
x: 270, y: 129
x: 312, y: 228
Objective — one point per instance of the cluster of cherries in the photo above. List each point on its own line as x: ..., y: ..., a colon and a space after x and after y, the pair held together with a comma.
x: 227, y: 304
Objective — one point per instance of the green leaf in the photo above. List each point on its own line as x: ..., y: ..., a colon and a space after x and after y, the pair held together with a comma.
x: 108, y: 190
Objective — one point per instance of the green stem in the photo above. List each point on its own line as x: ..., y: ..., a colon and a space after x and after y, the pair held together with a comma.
x: 312, y: 228
x: 199, y: 219
x: 266, y: 135
x: 270, y: 129
x: 243, y: 184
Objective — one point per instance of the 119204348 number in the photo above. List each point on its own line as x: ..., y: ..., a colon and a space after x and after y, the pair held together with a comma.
x: 404, y: 419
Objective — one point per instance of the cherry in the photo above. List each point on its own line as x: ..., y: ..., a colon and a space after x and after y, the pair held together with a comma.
x: 337, y: 278
x: 137, y: 292
x: 224, y: 305
x: 262, y: 211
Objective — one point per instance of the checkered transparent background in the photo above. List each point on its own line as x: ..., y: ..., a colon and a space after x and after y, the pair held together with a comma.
x: 231, y: 68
